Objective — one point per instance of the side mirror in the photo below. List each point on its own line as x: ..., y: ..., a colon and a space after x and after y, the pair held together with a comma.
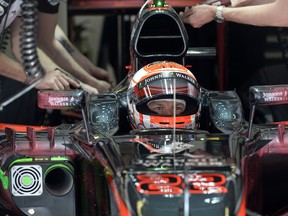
x: 265, y: 95
x: 268, y: 95
x: 50, y: 99
x: 99, y: 111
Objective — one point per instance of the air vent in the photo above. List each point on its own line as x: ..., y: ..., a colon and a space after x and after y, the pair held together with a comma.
x: 26, y: 180
x: 161, y: 34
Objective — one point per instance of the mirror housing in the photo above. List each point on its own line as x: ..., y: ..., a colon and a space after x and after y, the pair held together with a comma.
x: 103, y: 113
x: 225, y: 110
x: 51, y: 99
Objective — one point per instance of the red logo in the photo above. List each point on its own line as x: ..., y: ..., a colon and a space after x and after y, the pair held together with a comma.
x: 160, y: 184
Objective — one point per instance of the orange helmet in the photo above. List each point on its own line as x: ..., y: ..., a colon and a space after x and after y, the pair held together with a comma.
x: 158, y: 82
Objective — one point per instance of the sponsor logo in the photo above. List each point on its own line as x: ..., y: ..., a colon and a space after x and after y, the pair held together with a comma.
x: 160, y: 76
x: 164, y: 184
x: 59, y: 101
x: 53, y: 2
x: 275, y: 96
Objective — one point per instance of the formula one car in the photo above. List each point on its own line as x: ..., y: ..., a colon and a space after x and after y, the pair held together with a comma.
x: 130, y: 156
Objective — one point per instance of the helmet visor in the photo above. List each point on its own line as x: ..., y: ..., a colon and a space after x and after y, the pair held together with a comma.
x: 176, y: 88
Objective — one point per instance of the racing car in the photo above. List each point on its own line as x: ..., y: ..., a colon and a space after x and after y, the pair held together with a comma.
x: 129, y: 156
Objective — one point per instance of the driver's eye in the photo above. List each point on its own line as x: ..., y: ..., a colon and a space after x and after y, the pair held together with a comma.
x: 158, y: 108
x: 180, y: 108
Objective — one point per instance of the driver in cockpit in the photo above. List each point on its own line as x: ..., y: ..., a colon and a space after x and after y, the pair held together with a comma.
x: 161, y: 93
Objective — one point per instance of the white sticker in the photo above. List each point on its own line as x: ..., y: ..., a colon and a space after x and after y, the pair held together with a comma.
x: 1, y: 10
x: 53, y: 2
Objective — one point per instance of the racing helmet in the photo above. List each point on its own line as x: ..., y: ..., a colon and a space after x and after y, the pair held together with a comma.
x: 158, y: 82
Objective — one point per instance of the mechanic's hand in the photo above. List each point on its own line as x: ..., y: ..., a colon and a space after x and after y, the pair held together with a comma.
x: 60, y: 80
x: 88, y: 88
x: 101, y: 74
x: 198, y: 15
x: 56, y: 80
x: 101, y: 85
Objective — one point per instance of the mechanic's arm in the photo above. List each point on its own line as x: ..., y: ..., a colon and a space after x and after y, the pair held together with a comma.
x: 238, y: 3
x: 54, y: 79
x: 269, y: 14
x: 47, y: 42
x: 12, y: 69
x: 82, y: 60
x: 58, y: 79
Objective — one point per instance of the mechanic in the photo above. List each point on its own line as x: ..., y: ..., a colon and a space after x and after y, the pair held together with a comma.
x: 55, y: 60
x: 251, y: 12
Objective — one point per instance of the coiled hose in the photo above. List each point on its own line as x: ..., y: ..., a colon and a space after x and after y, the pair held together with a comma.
x: 28, y: 41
